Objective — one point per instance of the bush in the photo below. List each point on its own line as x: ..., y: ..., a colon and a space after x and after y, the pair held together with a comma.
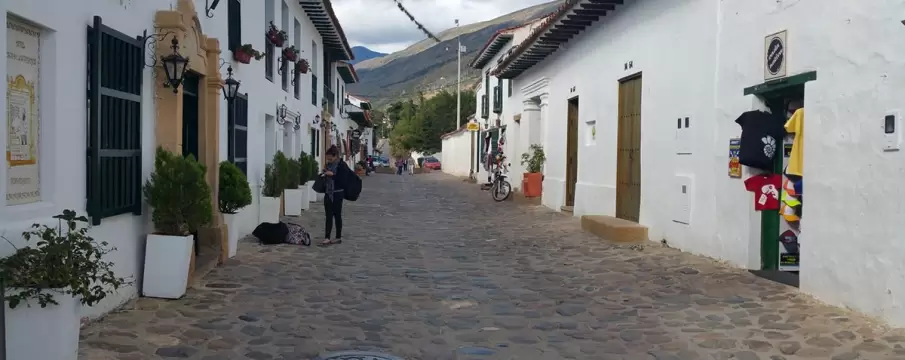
x: 271, y: 183
x: 535, y: 160
x: 304, y: 168
x: 66, y: 259
x: 234, y: 193
x: 283, y: 172
x: 313, y: 170
x: 293, y: 171
x: 179, y: 197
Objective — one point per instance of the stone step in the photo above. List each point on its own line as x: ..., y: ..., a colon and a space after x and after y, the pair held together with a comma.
x: 614, y: 229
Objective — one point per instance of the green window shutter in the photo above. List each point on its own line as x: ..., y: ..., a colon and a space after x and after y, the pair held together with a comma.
x: 116, y: 64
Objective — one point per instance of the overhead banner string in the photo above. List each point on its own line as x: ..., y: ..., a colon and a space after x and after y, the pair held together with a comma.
x: 412, y: 18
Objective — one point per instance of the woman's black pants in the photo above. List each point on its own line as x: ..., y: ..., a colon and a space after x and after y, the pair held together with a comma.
x: 333, y: 209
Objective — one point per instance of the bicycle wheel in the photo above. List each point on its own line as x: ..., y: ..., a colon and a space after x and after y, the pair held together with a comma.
x: 501, y: 190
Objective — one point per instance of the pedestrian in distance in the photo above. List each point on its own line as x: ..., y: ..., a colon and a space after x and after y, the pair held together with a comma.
x: 336, y: 174
x: 399, y: 166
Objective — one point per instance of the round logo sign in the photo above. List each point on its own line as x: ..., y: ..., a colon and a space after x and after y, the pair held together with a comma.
x: 775, y: 55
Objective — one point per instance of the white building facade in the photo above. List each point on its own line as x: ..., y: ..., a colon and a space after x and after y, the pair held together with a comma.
x: 644, y: 104
x: 497, y: 110
x: 47, y: 169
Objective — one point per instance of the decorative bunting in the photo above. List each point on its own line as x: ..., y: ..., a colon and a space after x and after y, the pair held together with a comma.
x: 418, y: 24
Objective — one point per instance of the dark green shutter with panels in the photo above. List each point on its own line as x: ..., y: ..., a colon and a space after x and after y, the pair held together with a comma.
x: 314, y: 89
x: 237, y: 149
x: 115, y: 72
x: 234, y: 24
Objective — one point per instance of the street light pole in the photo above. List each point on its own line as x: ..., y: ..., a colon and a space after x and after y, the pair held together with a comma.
x: 458, y: 78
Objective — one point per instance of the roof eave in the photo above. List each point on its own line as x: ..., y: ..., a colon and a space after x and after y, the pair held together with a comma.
x: 324, y: 19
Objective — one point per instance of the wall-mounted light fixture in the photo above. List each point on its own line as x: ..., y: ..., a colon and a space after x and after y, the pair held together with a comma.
x: 209, y: 7
x: 174, y: 65
x: 230, y: 86
x: 316, y: 121
x: 281, y: 114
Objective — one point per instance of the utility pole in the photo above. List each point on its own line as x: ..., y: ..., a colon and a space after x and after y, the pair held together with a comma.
x: 458, y: 78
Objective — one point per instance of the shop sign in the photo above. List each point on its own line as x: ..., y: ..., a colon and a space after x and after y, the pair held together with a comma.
x: 775, y: 55
x: 735, y: 168
x: 473, y: 126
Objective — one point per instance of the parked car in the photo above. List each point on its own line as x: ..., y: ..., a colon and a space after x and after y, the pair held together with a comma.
x: 431, y: 163
x: 381, y: 161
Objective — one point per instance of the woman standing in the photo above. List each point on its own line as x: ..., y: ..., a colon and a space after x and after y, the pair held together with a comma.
x: 336, y: 173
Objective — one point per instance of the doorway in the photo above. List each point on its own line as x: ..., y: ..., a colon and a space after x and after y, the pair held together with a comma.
x: 190, y: 85
x: 571, y: 152
x: 628, y: 155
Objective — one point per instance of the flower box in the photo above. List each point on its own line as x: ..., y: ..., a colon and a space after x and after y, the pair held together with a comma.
x: 290, y: 54
x: 276, y: 36
x: 302, y: 66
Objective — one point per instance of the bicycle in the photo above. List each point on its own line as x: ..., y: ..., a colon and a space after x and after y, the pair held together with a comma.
x: 501, y: 189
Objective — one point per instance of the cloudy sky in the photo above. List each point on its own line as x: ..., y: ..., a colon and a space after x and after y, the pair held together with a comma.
x: 380, y: 26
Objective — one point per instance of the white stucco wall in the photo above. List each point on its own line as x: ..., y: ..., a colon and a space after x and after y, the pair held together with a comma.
x: 590, y: 67
x: 851, y: 239
x: 64, y: 123
x: 851, y: 252
x: 455, y: 159
x: 63, y: 126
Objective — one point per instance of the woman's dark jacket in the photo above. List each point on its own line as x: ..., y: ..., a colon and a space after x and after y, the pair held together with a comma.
x: 341, y: 176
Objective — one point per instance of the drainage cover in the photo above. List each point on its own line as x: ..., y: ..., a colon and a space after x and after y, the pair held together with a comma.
x: 357, y: 355
x: 223, y: 286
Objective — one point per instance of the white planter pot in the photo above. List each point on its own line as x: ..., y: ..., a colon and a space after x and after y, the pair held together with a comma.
x: 312, y: 196
x: 43, y: 333
x: 232, y: 230
x: 293, y: 199
x: 306, y: 199
x: 167, y: 261
x: 269, y: 211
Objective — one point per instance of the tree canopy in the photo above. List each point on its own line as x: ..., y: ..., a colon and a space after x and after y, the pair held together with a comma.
x: 418, y: 125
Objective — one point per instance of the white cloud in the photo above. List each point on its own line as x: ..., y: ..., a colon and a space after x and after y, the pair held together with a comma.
x: 381, y: 26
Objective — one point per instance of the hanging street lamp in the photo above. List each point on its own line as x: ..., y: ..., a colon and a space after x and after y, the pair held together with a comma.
x: 231, y: 86
x: 175, y: 66
x: 281, y: 114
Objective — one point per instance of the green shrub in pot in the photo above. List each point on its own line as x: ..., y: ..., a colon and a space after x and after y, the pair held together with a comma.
x: 179, y: 197
x: 234, y: 193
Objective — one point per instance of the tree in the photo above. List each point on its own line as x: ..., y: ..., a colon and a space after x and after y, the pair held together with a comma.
x: 418, y: 127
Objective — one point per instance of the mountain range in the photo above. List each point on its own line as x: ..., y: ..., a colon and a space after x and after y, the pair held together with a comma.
x: 362, y: 53
x: 428, y: 66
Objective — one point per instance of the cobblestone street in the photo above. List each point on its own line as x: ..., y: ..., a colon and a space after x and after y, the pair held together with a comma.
x: 432, y: 268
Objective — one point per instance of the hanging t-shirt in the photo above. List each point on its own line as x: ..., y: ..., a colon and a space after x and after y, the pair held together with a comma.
x: 795, y: 125
x: 766, y: 188
x: 761, y: 133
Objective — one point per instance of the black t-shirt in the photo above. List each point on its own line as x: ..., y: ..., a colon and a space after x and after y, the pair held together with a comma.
x: 761, y: 133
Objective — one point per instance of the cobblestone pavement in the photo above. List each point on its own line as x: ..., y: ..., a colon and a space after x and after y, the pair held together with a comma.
x: 432, y: 268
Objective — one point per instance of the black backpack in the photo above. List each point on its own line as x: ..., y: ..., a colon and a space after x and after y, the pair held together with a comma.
x: 271, y: 234
x: 353, y: 187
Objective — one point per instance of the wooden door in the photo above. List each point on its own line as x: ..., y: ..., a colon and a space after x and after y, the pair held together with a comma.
x: 572, y: 152
x: 628, y: 160
x: 190, y: 117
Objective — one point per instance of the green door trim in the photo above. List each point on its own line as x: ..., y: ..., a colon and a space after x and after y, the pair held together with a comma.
x: 771, y: 91
x: 776, y: 85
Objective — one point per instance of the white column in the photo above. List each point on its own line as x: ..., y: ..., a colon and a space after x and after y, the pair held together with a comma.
x: 530, y: 124
x: 543, y: 122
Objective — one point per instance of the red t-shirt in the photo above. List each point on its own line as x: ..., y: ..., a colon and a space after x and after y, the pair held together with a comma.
x: 766, y: 189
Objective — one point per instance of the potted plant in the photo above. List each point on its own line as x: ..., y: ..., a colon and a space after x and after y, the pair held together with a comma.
x: 234, y: 194
x: 64, y: 266
x: 360, y: 167
x: 293, y: 196
x: 313, y: 172
x: 276, y: 36
x: 302, y: 66
x: 245, y: 53
x: 180, y: 201
x: 269, y: 208
x: 532, y: 179
x: 291, y: 54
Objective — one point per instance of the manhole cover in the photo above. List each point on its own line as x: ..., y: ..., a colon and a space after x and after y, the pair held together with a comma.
x: 223, y: 286
x: 357, y: 355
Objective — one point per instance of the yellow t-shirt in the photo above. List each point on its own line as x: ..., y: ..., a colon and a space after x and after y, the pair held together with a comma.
x: 795, y: 125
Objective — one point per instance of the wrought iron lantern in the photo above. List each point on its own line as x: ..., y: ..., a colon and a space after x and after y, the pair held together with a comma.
x: 281, y: 114
x: 317, y: 120
x: 175, y: 66
x: 231, y: 86
x: 297, y: 122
